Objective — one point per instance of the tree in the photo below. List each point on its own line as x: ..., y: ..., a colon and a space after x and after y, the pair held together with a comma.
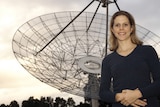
x: 3, y: 105
x: 70, y: 102
x: 14, y: 104
x: 60, y: 102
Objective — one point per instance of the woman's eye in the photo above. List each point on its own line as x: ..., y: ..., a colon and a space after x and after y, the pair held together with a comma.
x: 125, y: 24
x: 117, y: 25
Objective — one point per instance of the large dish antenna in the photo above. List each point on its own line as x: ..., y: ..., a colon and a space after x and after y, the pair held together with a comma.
x: 65, y: 49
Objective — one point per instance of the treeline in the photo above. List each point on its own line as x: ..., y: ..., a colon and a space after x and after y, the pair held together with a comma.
x: 50, y: 102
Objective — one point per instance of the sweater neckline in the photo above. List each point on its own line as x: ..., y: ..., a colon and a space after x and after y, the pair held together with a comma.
x: 128, y: 54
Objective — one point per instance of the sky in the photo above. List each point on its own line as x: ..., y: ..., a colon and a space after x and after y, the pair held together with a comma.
x: 15, y: 82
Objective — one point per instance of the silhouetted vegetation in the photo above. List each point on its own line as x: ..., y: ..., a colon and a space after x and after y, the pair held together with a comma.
x: 50, y: 102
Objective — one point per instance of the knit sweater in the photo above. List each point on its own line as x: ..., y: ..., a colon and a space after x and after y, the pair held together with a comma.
x: 131, y: 72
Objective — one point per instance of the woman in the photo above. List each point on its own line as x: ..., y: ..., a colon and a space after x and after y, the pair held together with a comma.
x: 130, y: 67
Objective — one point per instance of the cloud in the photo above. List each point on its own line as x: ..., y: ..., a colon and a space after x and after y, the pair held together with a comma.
x: 23, y: 93
x: 18, y: 84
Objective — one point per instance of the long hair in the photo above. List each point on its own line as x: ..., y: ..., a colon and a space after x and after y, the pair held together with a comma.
x: 113, y: 43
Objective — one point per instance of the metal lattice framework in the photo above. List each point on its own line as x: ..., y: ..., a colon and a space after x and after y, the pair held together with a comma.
x: 72, y: 61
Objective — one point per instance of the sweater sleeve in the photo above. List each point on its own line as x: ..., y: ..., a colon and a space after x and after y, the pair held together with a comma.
x: 154, y: 65
x: 105, y: 92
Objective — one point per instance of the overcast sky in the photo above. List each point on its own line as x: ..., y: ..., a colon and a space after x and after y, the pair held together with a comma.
x: 15, y: 82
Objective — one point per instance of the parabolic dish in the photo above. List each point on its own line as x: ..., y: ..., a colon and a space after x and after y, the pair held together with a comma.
x: 72, y: 61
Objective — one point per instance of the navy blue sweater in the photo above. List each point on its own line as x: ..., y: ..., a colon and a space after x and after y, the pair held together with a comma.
x: 131, y: 72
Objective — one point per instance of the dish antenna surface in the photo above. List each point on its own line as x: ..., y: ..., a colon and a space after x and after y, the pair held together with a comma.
x: 65, y: 49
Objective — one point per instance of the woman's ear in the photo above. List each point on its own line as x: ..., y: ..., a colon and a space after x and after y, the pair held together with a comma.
x: 132, y: 29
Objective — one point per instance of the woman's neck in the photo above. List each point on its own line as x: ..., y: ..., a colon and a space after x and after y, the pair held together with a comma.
x: 125, y: 48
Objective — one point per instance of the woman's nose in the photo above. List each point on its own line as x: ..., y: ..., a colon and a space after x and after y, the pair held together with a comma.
x: 121, y: 26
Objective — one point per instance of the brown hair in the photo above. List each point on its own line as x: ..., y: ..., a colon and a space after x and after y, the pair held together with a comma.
x: 113, y: 43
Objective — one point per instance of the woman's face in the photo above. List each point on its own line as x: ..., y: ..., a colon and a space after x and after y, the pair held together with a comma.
x: 122, y: 28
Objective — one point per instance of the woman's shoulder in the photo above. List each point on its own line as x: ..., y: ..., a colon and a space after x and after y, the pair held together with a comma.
x: 109, y: 56
x: 145, y: 47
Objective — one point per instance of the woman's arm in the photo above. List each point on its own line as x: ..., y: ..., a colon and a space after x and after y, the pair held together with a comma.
x: 152, y: 60
x: 105, y: 92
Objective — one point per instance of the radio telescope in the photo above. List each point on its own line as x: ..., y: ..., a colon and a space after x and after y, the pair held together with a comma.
x: 65, y: 49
